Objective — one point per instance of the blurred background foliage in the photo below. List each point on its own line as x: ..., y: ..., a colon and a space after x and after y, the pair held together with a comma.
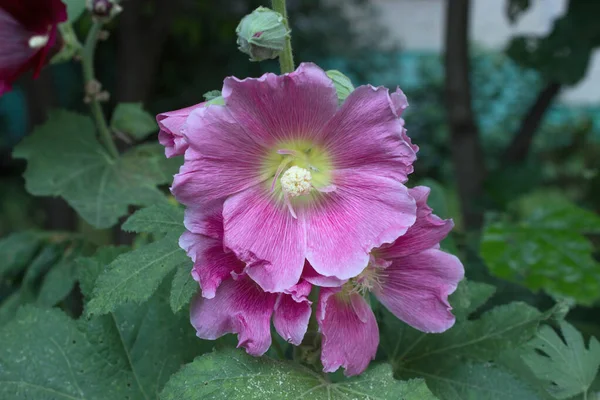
x: 540, y: 240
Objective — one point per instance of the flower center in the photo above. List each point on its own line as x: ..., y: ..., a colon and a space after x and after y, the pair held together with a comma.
x: 371, y: 278
x: 38, y: 41
x: 296, y: 181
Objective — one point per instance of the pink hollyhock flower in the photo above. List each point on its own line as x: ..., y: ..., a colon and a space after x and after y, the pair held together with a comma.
x: 411, y: 277
x: 27, y: 33
x: 171, y: 124
x: 301, y: 178
x: 231, y: 302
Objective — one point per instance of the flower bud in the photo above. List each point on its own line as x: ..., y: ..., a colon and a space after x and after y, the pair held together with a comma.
x: 214, y: 97
x: 103, y: 9
x: 343, y: 85
x: 262, y: 34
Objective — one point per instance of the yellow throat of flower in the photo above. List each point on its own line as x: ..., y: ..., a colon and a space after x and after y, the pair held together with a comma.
x: 296, y: 172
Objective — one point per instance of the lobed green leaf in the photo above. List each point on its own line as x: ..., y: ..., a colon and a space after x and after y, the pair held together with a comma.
x: 232, y: 374
x: 454, y: 361
x: 134, y: 276
x: 565, y: 364
x: 477, y: 381
x: 65, y: 159
x: 160, y: 218
x: 183, y: 288
x: 132, y: 119
x: 546, y: 249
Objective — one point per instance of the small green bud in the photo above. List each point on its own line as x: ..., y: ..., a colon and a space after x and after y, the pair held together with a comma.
x: 342, y: 83
x: 214, y: 97
x: 262, y: 34
x: 208, y: 96
x: 216, y: 101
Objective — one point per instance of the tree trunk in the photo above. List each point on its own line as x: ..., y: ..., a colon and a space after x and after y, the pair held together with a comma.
x: 467, y: 153
x: 141, y: 38
x: 518, y: 149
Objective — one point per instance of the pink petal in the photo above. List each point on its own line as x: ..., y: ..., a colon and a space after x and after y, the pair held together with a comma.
x: 19, y: 21
x: 266, y: 237
x: 15, y: 52
x: 222, y: 159
x: 364, y: 212
x: 427, y: 232
x: 367, y: 135
x: 408, y: 140
x: 349, y: 329
x: 273, y: 108
x: 4, y: 87
x: 212, y: 265
x: 36, y: 15
x: 238, y: 307
x: 300, y: 291
x: 206, y: 221
x: 415, y: 289
x: 170, y: 135
x: 291, y: 317
x: 399, y: 102
x: 310, y: 275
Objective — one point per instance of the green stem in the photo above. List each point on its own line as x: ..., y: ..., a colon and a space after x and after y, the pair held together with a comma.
x: 89, y: 49
x: 286, y: 57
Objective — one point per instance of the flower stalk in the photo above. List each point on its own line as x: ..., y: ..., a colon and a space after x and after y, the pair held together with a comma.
x: 89, y: 78
x: 286, y: 57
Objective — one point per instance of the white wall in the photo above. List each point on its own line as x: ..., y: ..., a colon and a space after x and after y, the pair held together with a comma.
x: 419, y: 25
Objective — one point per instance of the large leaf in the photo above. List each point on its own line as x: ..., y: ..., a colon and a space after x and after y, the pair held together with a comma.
x: 512, y: 362
x: 231, y: 375
x: 501, y: 328
x: 10, y: 305
x: 130, y: 118
x: 441, y: 358
x: 16, y: 251
x: 477, y: 382
x: 160, y: 219
x: 45, y: 356
x: 58, y: 283
x: 552, y: 210
x: 567, y: 366
x: 148, y: 340
x: 65, y: 159
x: 469, y: 296
x: 38, y: 264
x: 182, y: 288
x: 89, y: 268
x: 128, y: 354
x: 134, y: 276
x: 546, y: 249
x: 49, y: 275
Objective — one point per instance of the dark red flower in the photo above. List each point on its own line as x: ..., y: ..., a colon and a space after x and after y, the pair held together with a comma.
x: 28, y: 30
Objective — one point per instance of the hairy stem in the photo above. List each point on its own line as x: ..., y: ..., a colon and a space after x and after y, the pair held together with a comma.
x: 89, y: 78
x: 286, y: 57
